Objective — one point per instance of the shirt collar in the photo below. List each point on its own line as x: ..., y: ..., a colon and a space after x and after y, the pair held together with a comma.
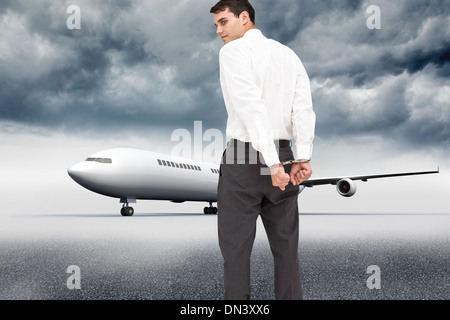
x: 253, y: 33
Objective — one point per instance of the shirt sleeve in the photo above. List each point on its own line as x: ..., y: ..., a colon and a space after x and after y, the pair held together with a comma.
x: 303, y: 116
x: 246, y: 98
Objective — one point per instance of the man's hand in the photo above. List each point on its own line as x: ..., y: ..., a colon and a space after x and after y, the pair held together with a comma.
x: 300, y: 172
x: 279, y: 177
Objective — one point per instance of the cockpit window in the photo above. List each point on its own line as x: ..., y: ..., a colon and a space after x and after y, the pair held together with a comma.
x: 101, y: 160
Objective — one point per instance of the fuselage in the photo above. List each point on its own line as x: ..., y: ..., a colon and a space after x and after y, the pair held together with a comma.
x: 139, y: 174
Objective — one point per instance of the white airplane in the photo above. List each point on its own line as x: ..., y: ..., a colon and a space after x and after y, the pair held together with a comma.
x: 131, y: 174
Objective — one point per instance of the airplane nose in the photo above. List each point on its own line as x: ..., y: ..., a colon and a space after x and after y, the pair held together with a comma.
x: 72, y: 171
x: 77, y: 171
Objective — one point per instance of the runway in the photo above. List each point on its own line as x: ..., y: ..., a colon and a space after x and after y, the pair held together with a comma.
x: 176, y: 257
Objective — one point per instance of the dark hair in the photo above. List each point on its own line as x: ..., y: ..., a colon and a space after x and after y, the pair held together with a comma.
x: 236, y: 7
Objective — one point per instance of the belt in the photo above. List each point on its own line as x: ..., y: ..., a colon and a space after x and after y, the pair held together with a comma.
x: 279, y: 143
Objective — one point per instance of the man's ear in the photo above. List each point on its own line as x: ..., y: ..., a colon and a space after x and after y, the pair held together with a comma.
x: 244, y: 17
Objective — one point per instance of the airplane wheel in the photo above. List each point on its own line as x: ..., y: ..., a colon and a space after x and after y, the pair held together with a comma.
x: 206, y: 210
x: 127, y: 211
x: 214, y: 211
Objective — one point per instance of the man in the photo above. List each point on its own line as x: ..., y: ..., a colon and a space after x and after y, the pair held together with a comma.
x: 268, y: 99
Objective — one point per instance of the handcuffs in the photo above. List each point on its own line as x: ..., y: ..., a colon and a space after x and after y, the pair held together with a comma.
x: 282, y: 164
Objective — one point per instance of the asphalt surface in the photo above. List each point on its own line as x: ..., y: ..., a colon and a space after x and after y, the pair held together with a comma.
x: 176, y: 257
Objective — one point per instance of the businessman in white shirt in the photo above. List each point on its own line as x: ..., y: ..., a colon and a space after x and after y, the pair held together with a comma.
x: 268, y: 100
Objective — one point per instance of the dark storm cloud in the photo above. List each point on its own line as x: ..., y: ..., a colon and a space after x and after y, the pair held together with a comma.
x: 391, y: 82
x: 132, y: 63
x: 137, y: 64
x: 284, y: 20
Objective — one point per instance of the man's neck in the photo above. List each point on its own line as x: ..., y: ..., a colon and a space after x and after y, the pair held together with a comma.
x: 249, y: 28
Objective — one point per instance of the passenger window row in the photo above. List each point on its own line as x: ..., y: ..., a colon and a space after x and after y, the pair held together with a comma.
x: 167, y: 163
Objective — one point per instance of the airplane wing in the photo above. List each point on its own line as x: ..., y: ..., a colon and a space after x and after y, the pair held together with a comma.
x: 346, y: 186
x: 335, y: 180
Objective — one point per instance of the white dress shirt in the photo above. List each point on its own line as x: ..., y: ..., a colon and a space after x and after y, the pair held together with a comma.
x: 267, y: 95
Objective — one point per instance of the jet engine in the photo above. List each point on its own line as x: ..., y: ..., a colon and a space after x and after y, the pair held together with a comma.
x: 346, y: 187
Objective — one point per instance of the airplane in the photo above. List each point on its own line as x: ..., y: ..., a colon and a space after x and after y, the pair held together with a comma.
x: 134, y: 174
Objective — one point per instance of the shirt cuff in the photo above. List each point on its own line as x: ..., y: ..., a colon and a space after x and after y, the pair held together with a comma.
x: 303, y: 152
x: 270, y: 155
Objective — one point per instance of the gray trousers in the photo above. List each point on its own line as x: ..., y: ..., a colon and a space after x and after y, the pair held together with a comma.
x: 244, y: 194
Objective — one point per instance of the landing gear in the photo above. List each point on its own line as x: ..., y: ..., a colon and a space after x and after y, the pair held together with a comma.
x: 210, y: 209
x: 127, y: 211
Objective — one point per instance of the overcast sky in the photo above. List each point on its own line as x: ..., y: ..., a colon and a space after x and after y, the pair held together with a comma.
x: 138, y: 70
